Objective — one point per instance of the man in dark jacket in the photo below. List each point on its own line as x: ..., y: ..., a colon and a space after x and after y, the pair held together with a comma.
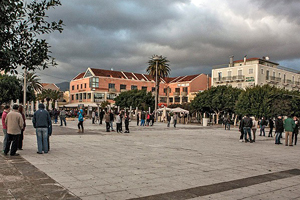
x: 271, y: 126
x: 101, y: 116
x: 41, y: 122
x: 278, y: 129
x: 247, y: 125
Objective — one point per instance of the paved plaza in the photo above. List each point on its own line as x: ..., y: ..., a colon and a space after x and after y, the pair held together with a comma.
x: 187, y: 162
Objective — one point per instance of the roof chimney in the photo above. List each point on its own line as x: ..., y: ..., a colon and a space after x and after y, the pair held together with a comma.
x: 245, y: 59
x: 231, y: 61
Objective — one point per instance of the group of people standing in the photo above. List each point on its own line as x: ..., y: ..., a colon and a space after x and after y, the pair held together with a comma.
x: 14, y: 123
x: 147, y: 119
x: 290, y: 126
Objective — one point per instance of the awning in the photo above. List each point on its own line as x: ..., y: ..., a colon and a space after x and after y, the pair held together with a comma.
x: 75, y: 105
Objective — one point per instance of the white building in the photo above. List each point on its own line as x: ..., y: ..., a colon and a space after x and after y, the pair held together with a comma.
x: 255, y: 71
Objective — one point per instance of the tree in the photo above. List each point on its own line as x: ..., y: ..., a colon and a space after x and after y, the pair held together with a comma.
x: 33, y: 81
x: 21, y: 24
x: 163, y: 70
x: 10, y: 89
x: 135, y: 98
x: 48, y: 95
x: 216, y: 99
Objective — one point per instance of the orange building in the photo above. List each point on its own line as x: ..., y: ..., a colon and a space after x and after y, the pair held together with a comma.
x: 96, y: 85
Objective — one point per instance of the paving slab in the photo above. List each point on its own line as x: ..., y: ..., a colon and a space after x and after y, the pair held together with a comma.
x: 155, y: 162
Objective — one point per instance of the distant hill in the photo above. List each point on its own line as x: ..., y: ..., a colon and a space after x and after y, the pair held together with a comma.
x: 64, y: 86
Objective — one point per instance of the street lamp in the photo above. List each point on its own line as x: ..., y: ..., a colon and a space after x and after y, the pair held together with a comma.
x: 156, y: 58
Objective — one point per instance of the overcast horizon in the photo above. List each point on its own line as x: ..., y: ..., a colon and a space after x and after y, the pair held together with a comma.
x: 194, y: 35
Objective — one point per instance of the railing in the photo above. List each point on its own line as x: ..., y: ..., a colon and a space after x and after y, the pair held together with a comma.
x: 112, y: 90
x: 176, y: 93
x: 184, y: 94
x: 273, y: 79
x: 238, y: 78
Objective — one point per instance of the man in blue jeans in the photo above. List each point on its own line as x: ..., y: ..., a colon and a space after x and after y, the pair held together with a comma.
x: 41, y: 122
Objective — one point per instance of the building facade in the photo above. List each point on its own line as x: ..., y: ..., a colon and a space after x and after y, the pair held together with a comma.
x: 255, y: 71
x: 98, y: 85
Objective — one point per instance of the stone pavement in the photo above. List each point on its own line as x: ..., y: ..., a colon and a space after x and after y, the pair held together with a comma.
x: 189, y: 162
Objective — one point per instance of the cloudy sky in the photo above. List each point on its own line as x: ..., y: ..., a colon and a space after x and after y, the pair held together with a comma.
x: 193, y: 34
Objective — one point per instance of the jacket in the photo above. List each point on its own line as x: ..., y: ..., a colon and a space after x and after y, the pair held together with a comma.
x: 63, y: 114
x: 80, y: 116
x: 279, y: 128
x: 107, y: 118
x: 247, y: 122
x: 4, y: 114
x: 118, y: 119
x: 41, y: 118
x: 289, y: 124
x: 14, y: 122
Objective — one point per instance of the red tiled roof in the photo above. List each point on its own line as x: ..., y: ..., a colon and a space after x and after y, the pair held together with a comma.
x: 107, y: 73
x: 79, y: 76
x: 188, y: 78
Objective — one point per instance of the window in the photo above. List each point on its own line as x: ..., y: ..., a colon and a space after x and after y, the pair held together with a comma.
x: 177, y: 89
x: 274, y: 74
x: 153, y: 89
x: 240, y: 72
x: 163, y: 100
x: 122, y: 87
x: 98, y: 97
x: 85, y: 85
x: 184, y: 99
x: 229, y: 73
x: 111, y: 85
x: 77, y: 87
x: 144, y: 88
x: 185, y: 89
x: 268, y: 75
x: 89, y: 95
x: 219, y: 76
x: 279, y: 75
x: 284, y: 76
x: 111, y: 96
x: 177, y: 99
x: 80, y: 86
x: 80, y: 96
x: 72, y: 96
x: 171, y: 100
x: 250, y: 71
x: 73, y: 87
x: 94, y: 82
x: 76, y: 96
x: 262, y: 71
x: 133, y: 87
x: 84, y: 95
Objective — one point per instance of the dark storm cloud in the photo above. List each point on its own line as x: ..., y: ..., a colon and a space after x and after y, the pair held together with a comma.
x: 193, y: 35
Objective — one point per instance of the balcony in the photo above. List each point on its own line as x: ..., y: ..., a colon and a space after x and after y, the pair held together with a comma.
x: 238, y: 78
x: 218, y: 80
x: 273, y: 79
x: 184, y: 94
x: 112, y: 90
x: 123, y: 90
x: 227, y: 79
x: 176, y: 93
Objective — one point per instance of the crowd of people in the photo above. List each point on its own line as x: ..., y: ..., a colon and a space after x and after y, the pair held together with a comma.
x: 290, y: 126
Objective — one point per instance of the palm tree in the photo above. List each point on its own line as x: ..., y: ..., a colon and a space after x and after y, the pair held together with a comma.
x: 33, y: 81
x: 163, y: 69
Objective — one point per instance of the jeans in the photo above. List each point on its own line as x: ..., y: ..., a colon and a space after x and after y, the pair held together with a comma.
x: 168, y: 124
x: 142, y: 122
x: 111, y: 125
x: 119, y: 127
x: 42, y: 139
x: 247, y: 130
x: 270, y: 133
x: 277, y: 138
x: 80, y: 124
x: 262, y: 130
x: 63, y: 119
x: 107, y: 126
x: 228, y: 126
x: 5, y: 138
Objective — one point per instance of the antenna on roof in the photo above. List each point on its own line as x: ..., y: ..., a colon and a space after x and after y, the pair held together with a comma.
x: 112, y: 69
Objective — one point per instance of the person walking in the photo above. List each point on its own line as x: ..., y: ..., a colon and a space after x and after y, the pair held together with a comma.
x: 93, y: 116
x: 80, y: 121
x: 14, y: 124
x: 241, y: 129
x: 118, y: 123
x: 271, y: 126
x: 111, y: 120
x: 254, y: 128
x: 168, y: 119
x: 126, y: 121
x: 143, y: 117
x: 4, y: 127
x: 21, y: 137
x: 175, y: 119
x: 137, y: 119
x: 263, y: 124
x: 55, y: 115
x: 101, y: 116
x: 247, y: 125
x: 41, y: 121
x: 296, y: 130
x: 289, y: 126
x: 62, y: 116
x: 107, y: 121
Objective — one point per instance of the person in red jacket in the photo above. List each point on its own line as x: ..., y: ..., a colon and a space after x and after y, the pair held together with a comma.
x: 4, y: 114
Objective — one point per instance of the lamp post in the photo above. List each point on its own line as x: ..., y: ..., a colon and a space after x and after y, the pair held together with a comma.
x: 156, y: 59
